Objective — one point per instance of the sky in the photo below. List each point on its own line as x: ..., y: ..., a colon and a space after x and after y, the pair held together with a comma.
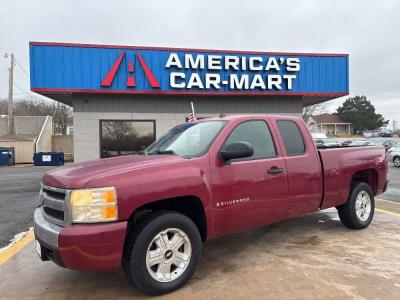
x: 368, y: 30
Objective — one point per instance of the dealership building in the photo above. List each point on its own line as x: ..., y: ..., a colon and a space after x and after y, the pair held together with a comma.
x: 124, y: 97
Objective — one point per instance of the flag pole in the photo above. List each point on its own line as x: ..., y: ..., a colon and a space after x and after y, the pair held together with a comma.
x: 191, y: 103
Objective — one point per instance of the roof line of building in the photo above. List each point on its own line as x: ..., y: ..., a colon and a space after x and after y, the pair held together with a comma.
x: 84, y: 45
x: 103, y: 91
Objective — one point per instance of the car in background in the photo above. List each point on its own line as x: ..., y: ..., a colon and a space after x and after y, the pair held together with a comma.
x: 389, y: 144
x: 327, y: 143
x: 378, y: 133
x: 357, y: 143
x: 386, y: 133
x: 318, y: 135
x: 394, y: 156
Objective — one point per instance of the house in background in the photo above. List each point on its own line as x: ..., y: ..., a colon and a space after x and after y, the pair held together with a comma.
x: 32, y: 134
x: 328, y: 124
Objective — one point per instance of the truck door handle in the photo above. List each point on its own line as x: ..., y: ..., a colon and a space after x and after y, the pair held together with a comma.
x: 275, y: 170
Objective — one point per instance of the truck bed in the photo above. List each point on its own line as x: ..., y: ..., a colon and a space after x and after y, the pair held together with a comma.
x: 339, y: 166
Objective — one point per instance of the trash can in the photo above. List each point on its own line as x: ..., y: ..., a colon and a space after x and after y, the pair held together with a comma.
x: 48, y: 159
x: 7, y: 156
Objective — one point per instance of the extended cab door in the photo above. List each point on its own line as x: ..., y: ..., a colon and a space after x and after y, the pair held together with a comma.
x: 249, y: 192
x: 302, y: 165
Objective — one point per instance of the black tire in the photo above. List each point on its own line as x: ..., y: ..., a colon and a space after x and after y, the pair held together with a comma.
x: 347, y: 211
x: 138, y: 242
x: 396, y: 161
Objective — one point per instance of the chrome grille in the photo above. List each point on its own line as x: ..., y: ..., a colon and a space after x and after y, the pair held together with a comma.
x: 55, y: 204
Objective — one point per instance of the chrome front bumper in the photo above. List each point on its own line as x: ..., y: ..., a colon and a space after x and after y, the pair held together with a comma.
x: 46, y: 234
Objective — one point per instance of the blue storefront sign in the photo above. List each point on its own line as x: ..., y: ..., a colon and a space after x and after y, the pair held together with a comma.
x: 84, y: 68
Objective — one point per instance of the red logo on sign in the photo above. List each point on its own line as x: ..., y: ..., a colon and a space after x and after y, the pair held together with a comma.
x: 130, y: 82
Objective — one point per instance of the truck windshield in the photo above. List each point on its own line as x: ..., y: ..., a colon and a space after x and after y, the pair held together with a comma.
x: 187, y: 140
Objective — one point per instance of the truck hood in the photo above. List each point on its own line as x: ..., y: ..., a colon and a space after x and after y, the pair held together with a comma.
x: 78, y: 175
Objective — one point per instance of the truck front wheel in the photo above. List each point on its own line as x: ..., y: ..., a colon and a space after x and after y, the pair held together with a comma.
x: 162, y: 252
x: 358, y: 212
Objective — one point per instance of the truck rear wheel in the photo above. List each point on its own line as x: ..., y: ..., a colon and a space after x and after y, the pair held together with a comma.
x: 162, y: 253
x: 358, y: 212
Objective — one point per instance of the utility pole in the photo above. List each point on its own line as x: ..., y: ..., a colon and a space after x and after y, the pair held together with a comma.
x: 10, y: 96
x: 394, y: 125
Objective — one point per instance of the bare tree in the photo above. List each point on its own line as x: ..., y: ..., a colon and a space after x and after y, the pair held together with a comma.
x: 62, y: 118
x: 115, y: 133
x: 33, y: 106
x: 3, y: 107
x: 315, y: 109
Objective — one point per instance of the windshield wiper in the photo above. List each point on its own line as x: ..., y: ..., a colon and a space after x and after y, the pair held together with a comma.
x: 166, y: 152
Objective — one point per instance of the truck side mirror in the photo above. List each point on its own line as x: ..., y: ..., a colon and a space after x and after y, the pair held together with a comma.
x: 236, y: 150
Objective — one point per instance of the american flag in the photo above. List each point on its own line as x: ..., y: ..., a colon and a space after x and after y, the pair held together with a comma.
x: 192, y: 116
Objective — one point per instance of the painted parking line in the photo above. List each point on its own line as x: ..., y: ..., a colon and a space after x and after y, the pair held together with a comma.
x: 11, y: 250
x: 388, y: 201
x: 388, y: 212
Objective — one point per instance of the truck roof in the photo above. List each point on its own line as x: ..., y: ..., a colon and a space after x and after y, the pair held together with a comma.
x: 249, y: 116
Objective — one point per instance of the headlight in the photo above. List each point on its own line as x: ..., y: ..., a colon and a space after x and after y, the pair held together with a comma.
x: 94, y: 205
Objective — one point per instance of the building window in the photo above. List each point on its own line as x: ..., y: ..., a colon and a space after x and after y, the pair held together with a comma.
x: 124, y: 137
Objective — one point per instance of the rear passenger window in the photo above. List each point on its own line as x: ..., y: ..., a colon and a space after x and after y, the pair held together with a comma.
x: 292, y: 137
x: 258, y: 135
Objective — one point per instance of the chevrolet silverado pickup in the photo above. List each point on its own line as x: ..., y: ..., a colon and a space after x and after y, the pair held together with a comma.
x: 149, y: 213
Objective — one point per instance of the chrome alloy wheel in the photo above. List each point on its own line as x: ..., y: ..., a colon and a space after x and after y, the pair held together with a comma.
x: 396, y: 161
x: 168, y: 255
x: 363, y: 206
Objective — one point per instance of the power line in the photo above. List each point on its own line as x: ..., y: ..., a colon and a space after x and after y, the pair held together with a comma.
x: 22, y: 68
x: 20, y: 88
x: 14, y: 94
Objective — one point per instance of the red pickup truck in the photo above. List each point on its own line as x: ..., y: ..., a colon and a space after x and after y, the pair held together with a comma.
x: 149, y: 213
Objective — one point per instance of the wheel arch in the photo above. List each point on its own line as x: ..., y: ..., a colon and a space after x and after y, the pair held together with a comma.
x: 369, y: 176
x: 189, y: 205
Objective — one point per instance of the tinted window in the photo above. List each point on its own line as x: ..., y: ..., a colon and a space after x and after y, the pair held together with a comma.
x: 257, y: 134
x: 125, y: 137
x: 292, y: 137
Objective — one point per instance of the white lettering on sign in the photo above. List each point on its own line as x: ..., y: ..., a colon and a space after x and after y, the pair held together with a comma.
x: 293, y: 64
x: 173, y: 61
x: 214, y: 62
x: 204, y: 71
x: 195, y: 81
x: 194, y: 63
x: 176, y: 80
x: 272, y: 64
x: 255, y: 63
x: 232, y: 62
x: 241, y: 83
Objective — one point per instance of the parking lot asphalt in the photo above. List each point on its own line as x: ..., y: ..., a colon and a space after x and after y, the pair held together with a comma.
x: 314, y: 256
x: 393, y: 190
x: 19, y: 188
